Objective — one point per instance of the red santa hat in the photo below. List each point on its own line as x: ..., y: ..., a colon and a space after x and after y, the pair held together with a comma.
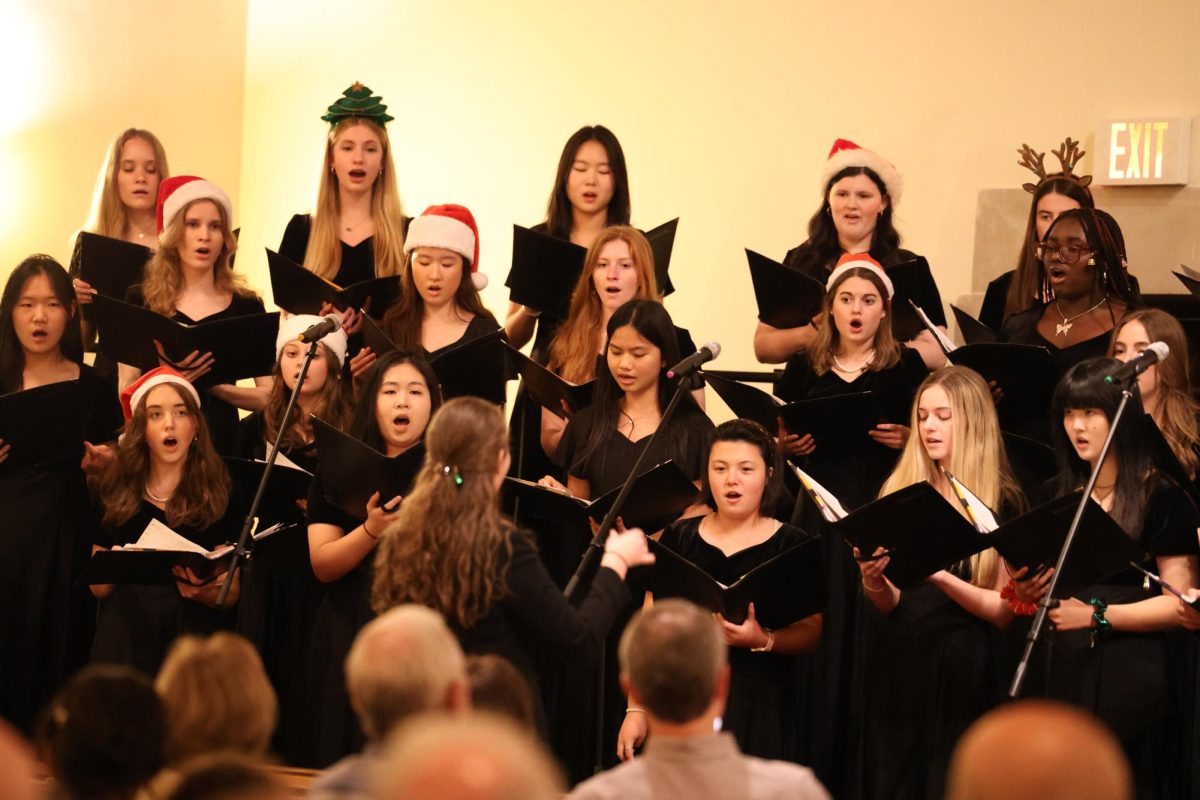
x: 846, y: 153
x: 175, y: 193
x: 133, y: 394
x: 450, y: 227
x: 851, y: 261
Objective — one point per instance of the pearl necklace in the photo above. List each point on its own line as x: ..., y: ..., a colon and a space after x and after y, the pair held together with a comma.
x: 860, y: 368
x: 154, y: 497
x: 1063, y: 328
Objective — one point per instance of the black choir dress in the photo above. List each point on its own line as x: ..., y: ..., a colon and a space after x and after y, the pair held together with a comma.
x: 46, y: 620
x: 277, y: 606
x: 931, y: 673
x: 479, y: 326
x: 342, y: 612
x: 991, y: 312
x: 572, y: 726
x: 137, y: 624
x: 358, y: 262
x: 221, y: 416
x: 762, y: 711
x: 833, y: 677
x: 1126, y: 680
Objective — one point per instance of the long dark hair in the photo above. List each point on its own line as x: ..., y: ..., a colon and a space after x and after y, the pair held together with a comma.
x: 752, y: 433
x: 402, y: 321
x: 12, y: 355
x: 1111, y: 270
x: 558, y: 210
x: 1084, y: 387
x: 652, y: 322
x: 823, y: 248
x: 1026, y: 286
x: 363, y: 425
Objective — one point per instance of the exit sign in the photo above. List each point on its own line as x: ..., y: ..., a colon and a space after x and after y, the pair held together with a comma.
x: 1151, y: 151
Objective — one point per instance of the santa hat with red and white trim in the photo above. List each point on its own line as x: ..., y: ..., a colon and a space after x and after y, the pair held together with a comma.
x: 450, y: 227
x: 850, y: 261
x: 133, y: 394
x: 846, y: 153
x: 175, y: 193
x: 291, y: 327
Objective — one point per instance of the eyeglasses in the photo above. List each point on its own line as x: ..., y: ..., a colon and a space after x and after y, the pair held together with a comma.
x: 1067, y: 253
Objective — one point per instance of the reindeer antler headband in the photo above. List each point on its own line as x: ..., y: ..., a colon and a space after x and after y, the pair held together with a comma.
x: 1068, y: 154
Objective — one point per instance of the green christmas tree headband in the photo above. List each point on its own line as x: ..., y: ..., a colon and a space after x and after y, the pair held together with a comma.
x: 358, y: 102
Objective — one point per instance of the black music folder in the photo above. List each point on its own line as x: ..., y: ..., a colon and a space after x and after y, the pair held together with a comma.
x: 111, y: 265
x: 913, y: 283
x: 242, y: 347
x: 351, y: 471
x: 786, y: 297
x: 1101, y: 547
x: 480, y: 367
x: 546, y: 388
x: 656, y: 499
x: 747, y: 401
x: 151, y: 560
x: 830, y: 420
x: 287, y: 484
x: 43, y: 425
x: 544, y: 271
x: 662, y: 241
x: 301, y: 291
x: 973, y: 331
x: 784, y: 589
x: 920, y: 530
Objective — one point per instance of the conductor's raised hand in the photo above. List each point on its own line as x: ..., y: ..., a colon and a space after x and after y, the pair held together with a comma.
x: 626, y: 549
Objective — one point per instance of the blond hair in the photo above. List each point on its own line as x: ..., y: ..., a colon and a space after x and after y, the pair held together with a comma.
x: 217, y: 697
x: 573, y: 350
x: 978, y: 458
x: 163, y: 281
x: 108, y: 216
x: 324, y: 252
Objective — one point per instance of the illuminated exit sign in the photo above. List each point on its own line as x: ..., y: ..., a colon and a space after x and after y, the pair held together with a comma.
x: 1142, y: 152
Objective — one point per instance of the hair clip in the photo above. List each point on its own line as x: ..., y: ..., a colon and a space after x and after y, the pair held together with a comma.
x: 449, y: 471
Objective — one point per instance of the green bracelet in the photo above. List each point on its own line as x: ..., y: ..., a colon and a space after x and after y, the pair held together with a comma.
x: 1102, y: 626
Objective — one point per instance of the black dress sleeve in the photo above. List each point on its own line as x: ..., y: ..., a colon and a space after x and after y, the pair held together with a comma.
x: 574, y: 439
x: 104, y: 416
x: 540, y: 607
x: 1170, y: 523
x: 692, y: 440
x: 295, y: 238
x: 991, y: 313
x: 797, y: 379
x: 928, y: 297
x: 901, y: 389
x: 249, y: 443
x: 1021, y: 328
x: 322, y: 512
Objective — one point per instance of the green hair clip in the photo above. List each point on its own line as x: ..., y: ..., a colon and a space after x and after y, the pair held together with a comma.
x: 454, y: 473
x: 358, y: 102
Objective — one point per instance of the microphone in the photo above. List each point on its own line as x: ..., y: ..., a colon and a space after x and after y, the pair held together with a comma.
x: 331, y: 323
x: 706, y: 353
x: 1154, y: 353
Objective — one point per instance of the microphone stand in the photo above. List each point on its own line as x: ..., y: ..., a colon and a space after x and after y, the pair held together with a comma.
x: 582, y: 579
x: 242, y: 551
x: 1044, y: 606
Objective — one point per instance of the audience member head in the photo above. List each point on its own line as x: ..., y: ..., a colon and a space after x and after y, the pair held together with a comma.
x: 103, y: 734
x: 497, y: 687
x: 17, y: 776
x: 226, y: 776
x: 674, y: 664
x: 477, y: 757
x: 1037, y: 748
x: 217, y: 697
x: 405, y: 661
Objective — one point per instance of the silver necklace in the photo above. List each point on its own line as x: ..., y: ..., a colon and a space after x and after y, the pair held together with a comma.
x: 1061, y: 329
x: 153, y: 496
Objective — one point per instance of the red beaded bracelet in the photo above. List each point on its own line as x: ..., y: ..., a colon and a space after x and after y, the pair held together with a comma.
x: 1020, y: 608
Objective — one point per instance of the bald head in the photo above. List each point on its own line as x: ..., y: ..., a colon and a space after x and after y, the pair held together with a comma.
x: 1036, y: 748
x: 468, y: 757
x: 404, y: 662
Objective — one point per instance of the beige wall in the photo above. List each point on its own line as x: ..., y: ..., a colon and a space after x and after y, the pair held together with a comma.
x: 75, y: 74
x: 726, y: 112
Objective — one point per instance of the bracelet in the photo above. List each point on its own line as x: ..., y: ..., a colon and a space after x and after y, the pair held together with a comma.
x: 869, y: 589
x: 618, y: 555
x: 1020, y: 608
x: 1102, y: 626
x: 635, y: 710
x: 768, y: 647
x: 368, y: 532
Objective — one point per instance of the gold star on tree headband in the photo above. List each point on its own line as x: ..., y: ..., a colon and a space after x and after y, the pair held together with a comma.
x: 358, y: 102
